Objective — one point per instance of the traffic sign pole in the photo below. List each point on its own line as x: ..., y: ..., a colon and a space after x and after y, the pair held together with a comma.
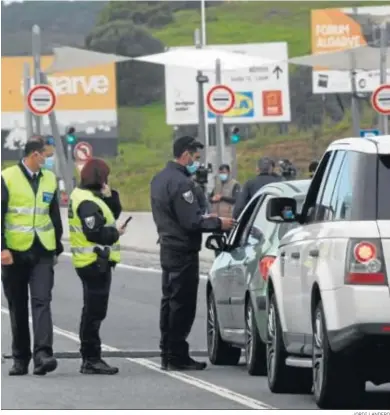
x: 384, y: 122
x: 220, y: 136
x: 36, y: 53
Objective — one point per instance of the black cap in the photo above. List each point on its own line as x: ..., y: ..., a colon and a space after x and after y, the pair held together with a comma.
x: 265, y: 163
x: 185, y: 143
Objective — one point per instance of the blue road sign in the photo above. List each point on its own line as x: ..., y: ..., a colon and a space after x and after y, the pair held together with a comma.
x: 369, y: 133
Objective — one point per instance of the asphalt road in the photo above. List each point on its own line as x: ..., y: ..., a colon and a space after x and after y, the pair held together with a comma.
x: 132, y: 323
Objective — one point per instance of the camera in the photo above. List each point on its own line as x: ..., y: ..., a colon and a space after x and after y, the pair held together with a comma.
x: 288, y: 170
x: 201, y: 175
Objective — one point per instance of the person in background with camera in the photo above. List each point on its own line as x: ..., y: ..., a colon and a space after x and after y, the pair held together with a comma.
x: 224, y: 195
x: 94, y: 244
x: 265, y: 174
x: 199, y: 189
x: 180, y: 224
x: 287, y: 169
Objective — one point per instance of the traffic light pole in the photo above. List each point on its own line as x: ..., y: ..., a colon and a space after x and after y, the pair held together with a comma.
x: 64, y: 167
x: 26, y: 88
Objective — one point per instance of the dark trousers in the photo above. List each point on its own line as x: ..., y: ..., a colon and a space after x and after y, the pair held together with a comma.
x: 96, y: 291
x: 180, y: 281
x: 39, y: 275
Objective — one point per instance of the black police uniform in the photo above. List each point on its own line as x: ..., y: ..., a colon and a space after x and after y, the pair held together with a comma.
x: 96, y: 284
x: 180, y: 224
x: 34, y: 268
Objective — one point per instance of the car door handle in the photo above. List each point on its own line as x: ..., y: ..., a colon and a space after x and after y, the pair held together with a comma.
x: 295, y: 255
x: 282, y: 254
x: 314, y: 253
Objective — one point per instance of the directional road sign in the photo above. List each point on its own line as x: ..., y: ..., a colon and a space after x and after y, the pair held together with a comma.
x: 220, y: 99
x: 41, y: 99
x: 380, y: 99
x: 369, y: 133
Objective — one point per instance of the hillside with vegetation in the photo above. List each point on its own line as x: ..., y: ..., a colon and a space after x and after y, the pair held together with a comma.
x: 139, y: 28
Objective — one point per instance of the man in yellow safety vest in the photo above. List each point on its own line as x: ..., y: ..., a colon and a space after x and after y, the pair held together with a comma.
x: 31, y: 232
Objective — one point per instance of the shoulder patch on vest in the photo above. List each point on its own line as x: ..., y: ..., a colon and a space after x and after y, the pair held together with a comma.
x: 47, y: 197
x: 188, y: 196
x: 90, y: 222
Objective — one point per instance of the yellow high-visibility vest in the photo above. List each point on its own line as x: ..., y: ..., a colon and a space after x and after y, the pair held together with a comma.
x: 82, y: 250
x: 28, y: 213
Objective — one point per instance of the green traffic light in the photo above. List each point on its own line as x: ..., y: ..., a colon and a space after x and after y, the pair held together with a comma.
x: 235, y: 138
x: 70, y: 139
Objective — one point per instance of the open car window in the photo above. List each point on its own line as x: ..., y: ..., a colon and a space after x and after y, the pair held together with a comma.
x: 236, y: 234
x: 383, y: 193
x: 286, y: 227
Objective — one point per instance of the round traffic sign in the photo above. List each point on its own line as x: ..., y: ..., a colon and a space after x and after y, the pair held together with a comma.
x: 41, y: 99
x: 380, y: 99
x: 82, y: 151
x: 220, y: 99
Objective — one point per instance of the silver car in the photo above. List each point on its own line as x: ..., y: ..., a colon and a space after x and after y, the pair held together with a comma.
x: 236, y: 287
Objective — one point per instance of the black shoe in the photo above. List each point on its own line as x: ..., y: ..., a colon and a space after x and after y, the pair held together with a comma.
x: 97, y: 367
x: 187, y: 364
x: 19, y: 368
x: 45, y: 364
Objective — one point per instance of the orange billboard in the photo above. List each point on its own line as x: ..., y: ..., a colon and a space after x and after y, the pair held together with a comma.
x: 334, y: 30
x: 91, y: 88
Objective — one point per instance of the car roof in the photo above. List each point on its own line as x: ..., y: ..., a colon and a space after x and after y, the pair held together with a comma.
x: 372, y: 145
x: 290, y: 188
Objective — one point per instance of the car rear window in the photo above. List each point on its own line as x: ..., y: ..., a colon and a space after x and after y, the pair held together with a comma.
x: 384, y: 187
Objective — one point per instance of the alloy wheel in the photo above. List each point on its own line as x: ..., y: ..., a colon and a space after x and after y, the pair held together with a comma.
x: 318, y: 354
x: 211, y: 329
x: 249, y: 336
x: 271, y: 344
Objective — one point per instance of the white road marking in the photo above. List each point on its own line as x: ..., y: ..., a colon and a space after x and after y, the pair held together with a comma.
x: 134, y: 268
x: 225, y: 393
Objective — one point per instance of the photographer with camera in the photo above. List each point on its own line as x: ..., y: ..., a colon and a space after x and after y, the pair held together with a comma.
x: 224, y: 195
x: 199, y: 175
x: 287, y: 169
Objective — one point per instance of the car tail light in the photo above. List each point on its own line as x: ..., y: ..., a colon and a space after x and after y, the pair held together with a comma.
x: 264, y: 266
x: 365, y: 263
x: 386, y: 329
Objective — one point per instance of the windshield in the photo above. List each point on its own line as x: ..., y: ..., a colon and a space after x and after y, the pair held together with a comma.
x: 384, y: 187
x: 285, y: 227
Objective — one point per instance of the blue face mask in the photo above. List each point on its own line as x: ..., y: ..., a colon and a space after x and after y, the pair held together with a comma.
x: 193, y: 167
x: 49, y: 163
x: 223, y: 177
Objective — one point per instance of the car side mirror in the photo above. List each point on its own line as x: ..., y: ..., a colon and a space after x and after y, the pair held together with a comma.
x: 216, y: 242
x: 282, y: 210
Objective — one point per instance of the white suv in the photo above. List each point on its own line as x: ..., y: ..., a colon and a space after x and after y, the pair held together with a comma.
x: 328, y: 298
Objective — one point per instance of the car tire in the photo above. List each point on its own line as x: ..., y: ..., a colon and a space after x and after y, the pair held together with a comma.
x: 220, y: 352
x: 283, y: 378
x: 336, y: 382
x: 255, y: 349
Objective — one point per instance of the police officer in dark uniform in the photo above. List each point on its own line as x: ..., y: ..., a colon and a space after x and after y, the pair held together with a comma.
x: 265, y: 170
x: 180, y: 224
